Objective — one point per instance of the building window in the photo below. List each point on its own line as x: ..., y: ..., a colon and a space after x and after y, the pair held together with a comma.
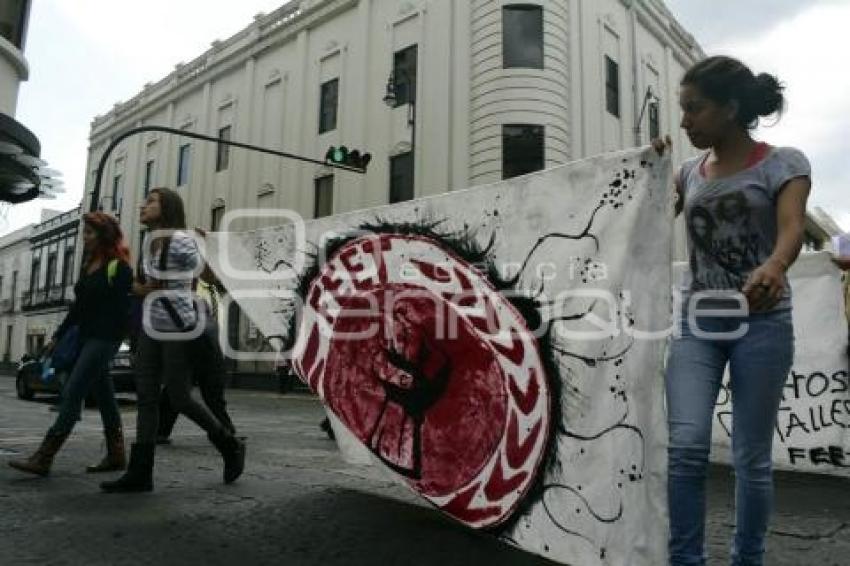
x: 1, y: 287
x: 324, y: 200
x: 68, y: 267
x: 34, y: 273
x: 522, y: 36
x: 50, y: 280
x: 216, y: 215
x: 149, y: 175
x: 654, y: 124
x: 14, y: 289
x: 401, y: 177
x: 7, y: 355
x: 522, y: 149
x: 116, y: 191
x: 612, y: 87
x: 183, y: 164
x: 404, y: 75
x: 222, y: 154
x: 328, y: 105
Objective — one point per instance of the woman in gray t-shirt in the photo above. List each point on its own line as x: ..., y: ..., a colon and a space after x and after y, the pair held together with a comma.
x: 744, y: 203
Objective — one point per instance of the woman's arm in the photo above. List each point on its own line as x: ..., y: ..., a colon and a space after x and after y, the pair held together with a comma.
x: 766, y: 284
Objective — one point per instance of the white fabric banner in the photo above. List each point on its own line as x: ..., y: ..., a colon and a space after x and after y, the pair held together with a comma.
x: 812, y: 426
x: 497, y: 349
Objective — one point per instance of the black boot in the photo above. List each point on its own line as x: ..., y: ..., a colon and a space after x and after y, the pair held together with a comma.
x: 139, y: 474
x: 232, y: 449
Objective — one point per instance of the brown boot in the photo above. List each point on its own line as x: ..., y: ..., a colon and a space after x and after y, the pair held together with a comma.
x: 40, y: 462
x: 115, y: 458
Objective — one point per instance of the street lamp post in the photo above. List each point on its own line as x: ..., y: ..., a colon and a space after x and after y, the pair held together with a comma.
x: 649, y: 97
x: 390, y: 99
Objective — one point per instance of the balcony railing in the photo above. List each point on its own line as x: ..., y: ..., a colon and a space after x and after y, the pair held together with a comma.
x: 49, y: 297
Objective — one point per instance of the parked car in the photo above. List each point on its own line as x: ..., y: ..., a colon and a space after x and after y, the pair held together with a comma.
x: 31, y: 378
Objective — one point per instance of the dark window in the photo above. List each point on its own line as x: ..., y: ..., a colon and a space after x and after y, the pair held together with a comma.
x: 328, y: 105
x: 34, y: 273
x: 14, y: 288
x: 522, y: 36
x: 324, y: 203
x: 217, y: 215
x: 654, y: 125
x: 68, y: 268
x: 183, y: 164
x: 116, y: 191
x: 7, y: 355
x: 149, y: 173
x: 50, y: 280
x: 401, y: 177
x: 1, y: 286
x: 222, y: 155
x: 404, y: 75
x: 522, y: 149
x: 612, y: 87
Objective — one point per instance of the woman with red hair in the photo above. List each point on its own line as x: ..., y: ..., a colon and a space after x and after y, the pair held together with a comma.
x: 100, y: 312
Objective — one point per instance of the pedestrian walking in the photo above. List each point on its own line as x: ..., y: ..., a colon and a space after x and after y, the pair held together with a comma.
x: 744, y: 203
x: 169, y: 263
x: 208, y: 364
x: 98, y: 314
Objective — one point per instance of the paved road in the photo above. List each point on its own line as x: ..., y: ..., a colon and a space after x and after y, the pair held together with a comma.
x: 299, y: 504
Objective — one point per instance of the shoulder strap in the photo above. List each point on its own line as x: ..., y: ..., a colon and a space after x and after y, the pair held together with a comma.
x: 111, y: 270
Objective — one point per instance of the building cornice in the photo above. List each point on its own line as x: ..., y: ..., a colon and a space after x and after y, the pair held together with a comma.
x: 266, y: 32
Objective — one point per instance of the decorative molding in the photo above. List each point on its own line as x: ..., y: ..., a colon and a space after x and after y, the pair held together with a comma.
x: 217, y: 202
x: 608, y: 21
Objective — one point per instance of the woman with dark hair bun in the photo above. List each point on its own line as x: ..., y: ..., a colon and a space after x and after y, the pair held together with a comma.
x: 738, y: 266
x: 101, y: 301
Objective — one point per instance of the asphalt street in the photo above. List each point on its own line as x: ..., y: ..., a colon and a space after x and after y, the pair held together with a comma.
x: 299, y: 504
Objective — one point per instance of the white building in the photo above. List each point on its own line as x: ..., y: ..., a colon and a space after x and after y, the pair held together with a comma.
x: 498, y: 88
x: 15, y: 261
x: 52, y: 273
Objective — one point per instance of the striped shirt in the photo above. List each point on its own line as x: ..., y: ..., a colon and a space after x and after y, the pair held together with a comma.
x: 183, y: 256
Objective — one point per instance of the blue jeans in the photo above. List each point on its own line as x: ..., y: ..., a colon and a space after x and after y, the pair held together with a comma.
x: 90, y: 372
x: 759, y: 362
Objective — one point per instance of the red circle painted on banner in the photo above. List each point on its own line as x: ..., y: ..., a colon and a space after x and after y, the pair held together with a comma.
x: 432, y: 407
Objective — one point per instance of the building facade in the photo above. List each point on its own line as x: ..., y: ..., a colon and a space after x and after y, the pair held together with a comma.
x: 478, y: 91
x: 53, y: 246
x: 14, y: 274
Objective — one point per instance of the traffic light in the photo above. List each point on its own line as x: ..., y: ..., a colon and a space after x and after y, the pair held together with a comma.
x: 353, y: 158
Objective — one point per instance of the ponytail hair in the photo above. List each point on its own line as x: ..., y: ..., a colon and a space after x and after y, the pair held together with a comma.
x: 726, y: 80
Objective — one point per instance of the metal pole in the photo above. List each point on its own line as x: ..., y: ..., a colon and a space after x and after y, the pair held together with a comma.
x: 98, y: 178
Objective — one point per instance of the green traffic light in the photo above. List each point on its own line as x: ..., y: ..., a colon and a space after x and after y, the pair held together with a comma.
x: 338, y: 155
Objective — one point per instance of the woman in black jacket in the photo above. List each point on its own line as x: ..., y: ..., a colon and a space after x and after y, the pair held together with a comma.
x: 100, y: 312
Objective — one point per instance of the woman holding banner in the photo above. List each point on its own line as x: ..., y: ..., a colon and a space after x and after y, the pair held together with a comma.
x: 737, y: 303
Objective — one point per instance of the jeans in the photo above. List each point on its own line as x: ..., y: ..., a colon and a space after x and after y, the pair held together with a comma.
x: 168, y: 363
x: 90, y: 372
x: 208, y: 370
x: 759, y: 362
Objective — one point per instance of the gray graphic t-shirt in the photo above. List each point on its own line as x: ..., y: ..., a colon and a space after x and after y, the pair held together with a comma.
x: 731, y: 221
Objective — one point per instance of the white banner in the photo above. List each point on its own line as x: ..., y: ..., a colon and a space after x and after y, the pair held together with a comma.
x: 812, y: 426
x: 497, y: 349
